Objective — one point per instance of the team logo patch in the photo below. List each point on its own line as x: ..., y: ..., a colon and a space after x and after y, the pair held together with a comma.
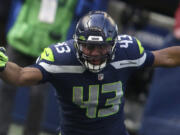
x: 100, y: 77
x: 47, y: 54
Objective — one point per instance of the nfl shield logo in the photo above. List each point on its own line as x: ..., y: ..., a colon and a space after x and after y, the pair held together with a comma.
x: 100, y: 77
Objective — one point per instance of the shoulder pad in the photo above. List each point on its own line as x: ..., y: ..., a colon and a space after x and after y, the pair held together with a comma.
x: 126, y: 41
x: 47, y: 54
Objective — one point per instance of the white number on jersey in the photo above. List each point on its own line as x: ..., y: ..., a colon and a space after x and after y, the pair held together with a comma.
x: 62, y: 48
x: 124, y: 41
x: 92, y: 104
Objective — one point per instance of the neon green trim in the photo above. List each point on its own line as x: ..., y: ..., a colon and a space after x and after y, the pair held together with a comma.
x: 47, y: 54
x: 82, y: 38
x: 141, y: 48
x: 109, y: 39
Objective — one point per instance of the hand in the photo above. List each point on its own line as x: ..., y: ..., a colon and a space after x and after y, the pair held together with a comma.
x: 3, y: 59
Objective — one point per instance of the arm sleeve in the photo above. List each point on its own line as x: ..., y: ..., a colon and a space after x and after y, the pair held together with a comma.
x: 149, y: 59
x: 136, y: 51
x: 46, y: 57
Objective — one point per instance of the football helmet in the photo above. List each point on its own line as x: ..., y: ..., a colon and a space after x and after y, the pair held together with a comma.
x: 95, y: 30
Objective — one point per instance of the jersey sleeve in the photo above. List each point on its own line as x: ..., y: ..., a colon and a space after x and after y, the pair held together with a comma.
x: 46, y: 58
x: 131, y: 53
x: 149, y: 57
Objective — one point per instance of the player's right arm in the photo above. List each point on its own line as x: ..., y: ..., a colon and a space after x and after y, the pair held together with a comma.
x: 16, y: 75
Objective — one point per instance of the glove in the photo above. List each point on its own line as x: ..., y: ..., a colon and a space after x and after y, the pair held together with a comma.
x: 3, y: 59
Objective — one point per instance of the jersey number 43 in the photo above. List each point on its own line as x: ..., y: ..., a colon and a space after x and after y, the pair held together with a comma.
x: 91, y: 105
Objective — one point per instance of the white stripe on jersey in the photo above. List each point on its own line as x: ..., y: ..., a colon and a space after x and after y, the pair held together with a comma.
x: 129, y: 63
x: 61, y: 69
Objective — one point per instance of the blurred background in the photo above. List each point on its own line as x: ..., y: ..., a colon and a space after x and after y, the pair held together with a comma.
x: 152, y: 105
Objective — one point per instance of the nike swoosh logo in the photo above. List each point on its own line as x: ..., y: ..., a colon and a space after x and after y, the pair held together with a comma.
x: 47, y: 54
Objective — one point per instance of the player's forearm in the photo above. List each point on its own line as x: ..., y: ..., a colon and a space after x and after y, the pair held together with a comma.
x: 168, y: 57
x: 19, y: 76
x: 173, y: 55
x: 11, y: 74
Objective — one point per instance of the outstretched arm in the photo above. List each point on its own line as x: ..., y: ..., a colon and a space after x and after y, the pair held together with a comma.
x: 16, y: 75
x: 19, y: 76
x: 168, y: 57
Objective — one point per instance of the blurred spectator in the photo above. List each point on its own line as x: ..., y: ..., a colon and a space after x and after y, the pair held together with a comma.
x: 161, y: 115
x: 31, y: 22
x: 34, y: 23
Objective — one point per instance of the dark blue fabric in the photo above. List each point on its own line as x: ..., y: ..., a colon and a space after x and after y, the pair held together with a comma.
x: 51, y: 116
x: 76, y: 118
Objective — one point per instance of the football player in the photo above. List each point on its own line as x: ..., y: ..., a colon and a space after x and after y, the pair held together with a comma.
x: 90, y: 73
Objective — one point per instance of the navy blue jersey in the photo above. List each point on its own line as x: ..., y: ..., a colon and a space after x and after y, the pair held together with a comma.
x: 92, y: 103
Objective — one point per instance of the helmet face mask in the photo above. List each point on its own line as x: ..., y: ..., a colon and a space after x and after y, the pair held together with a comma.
x: 95, y: 40
x: 103, y: 53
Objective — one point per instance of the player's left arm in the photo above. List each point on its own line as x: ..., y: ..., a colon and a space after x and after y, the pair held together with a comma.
x: 168, y: 57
